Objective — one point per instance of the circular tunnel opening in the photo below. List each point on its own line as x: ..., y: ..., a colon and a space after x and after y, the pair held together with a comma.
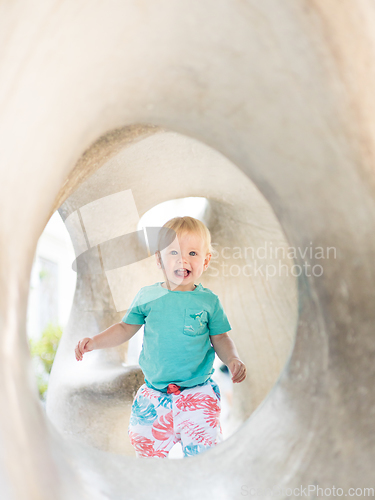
x: 250, y: 271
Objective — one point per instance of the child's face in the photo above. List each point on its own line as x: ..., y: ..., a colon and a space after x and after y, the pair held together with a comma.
x: 184, y: 260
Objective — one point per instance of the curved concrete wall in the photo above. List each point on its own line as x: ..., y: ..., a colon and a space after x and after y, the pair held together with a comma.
x: 262, y: 309
x: 277, y: 88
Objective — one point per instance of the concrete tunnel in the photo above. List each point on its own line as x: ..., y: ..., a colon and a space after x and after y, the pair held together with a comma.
x: 263, y: 109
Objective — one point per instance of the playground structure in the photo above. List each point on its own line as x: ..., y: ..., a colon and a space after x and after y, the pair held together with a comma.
x: 93, y: 96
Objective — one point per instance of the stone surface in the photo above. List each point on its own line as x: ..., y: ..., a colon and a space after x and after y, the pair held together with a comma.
x: 284, y: 91
x: 262, y: 309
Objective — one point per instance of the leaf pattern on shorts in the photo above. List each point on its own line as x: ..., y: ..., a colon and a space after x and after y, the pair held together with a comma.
x: 145, y: 447
x: 143, y: 412
x: 165, y: 401
x: 212, y: 416
x: 194, y: 449
x: 216, y: 389
x: 197, y: 432
x: 149, y: 393
x: 197, y: 401
x: 163, y: 427
x: 200, y: 401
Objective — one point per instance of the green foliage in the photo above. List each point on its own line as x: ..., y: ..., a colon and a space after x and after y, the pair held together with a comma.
x: 44, y: 350
x: 43, y: 274
x: 42, y: 386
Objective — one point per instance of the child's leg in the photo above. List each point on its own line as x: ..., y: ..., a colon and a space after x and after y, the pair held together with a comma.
x: 151, y: 430
x: 197, y: 421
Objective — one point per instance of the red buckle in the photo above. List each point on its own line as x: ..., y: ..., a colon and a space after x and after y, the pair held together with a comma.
x: 173, y: 389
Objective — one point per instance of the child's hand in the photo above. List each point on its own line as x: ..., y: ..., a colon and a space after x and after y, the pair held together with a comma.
x: 84, y: 345
x: 237, y: 369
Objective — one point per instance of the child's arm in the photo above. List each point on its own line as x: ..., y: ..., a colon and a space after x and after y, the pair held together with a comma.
x: 114, y: 335
x: 227, y: 352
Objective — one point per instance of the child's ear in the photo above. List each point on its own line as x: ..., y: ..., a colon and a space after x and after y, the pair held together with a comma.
x: 207, y: 260
x: 158, y: 258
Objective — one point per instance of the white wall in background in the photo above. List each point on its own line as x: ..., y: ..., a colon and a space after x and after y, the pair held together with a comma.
x: 53, y: 280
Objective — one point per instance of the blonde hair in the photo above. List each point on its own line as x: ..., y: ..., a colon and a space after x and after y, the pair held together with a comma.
x: 184, y: 225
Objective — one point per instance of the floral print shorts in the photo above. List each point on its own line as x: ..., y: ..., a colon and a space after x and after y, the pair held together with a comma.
x: 159, y: 420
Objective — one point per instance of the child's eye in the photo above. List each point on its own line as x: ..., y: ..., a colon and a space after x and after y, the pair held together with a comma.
x: 193, y: 252
x: 173, y: 252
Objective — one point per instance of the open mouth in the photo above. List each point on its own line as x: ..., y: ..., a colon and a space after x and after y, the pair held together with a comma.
x: 182, y: 273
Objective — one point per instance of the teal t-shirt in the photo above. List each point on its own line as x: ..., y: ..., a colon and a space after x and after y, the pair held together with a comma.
x: 176, y: 343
